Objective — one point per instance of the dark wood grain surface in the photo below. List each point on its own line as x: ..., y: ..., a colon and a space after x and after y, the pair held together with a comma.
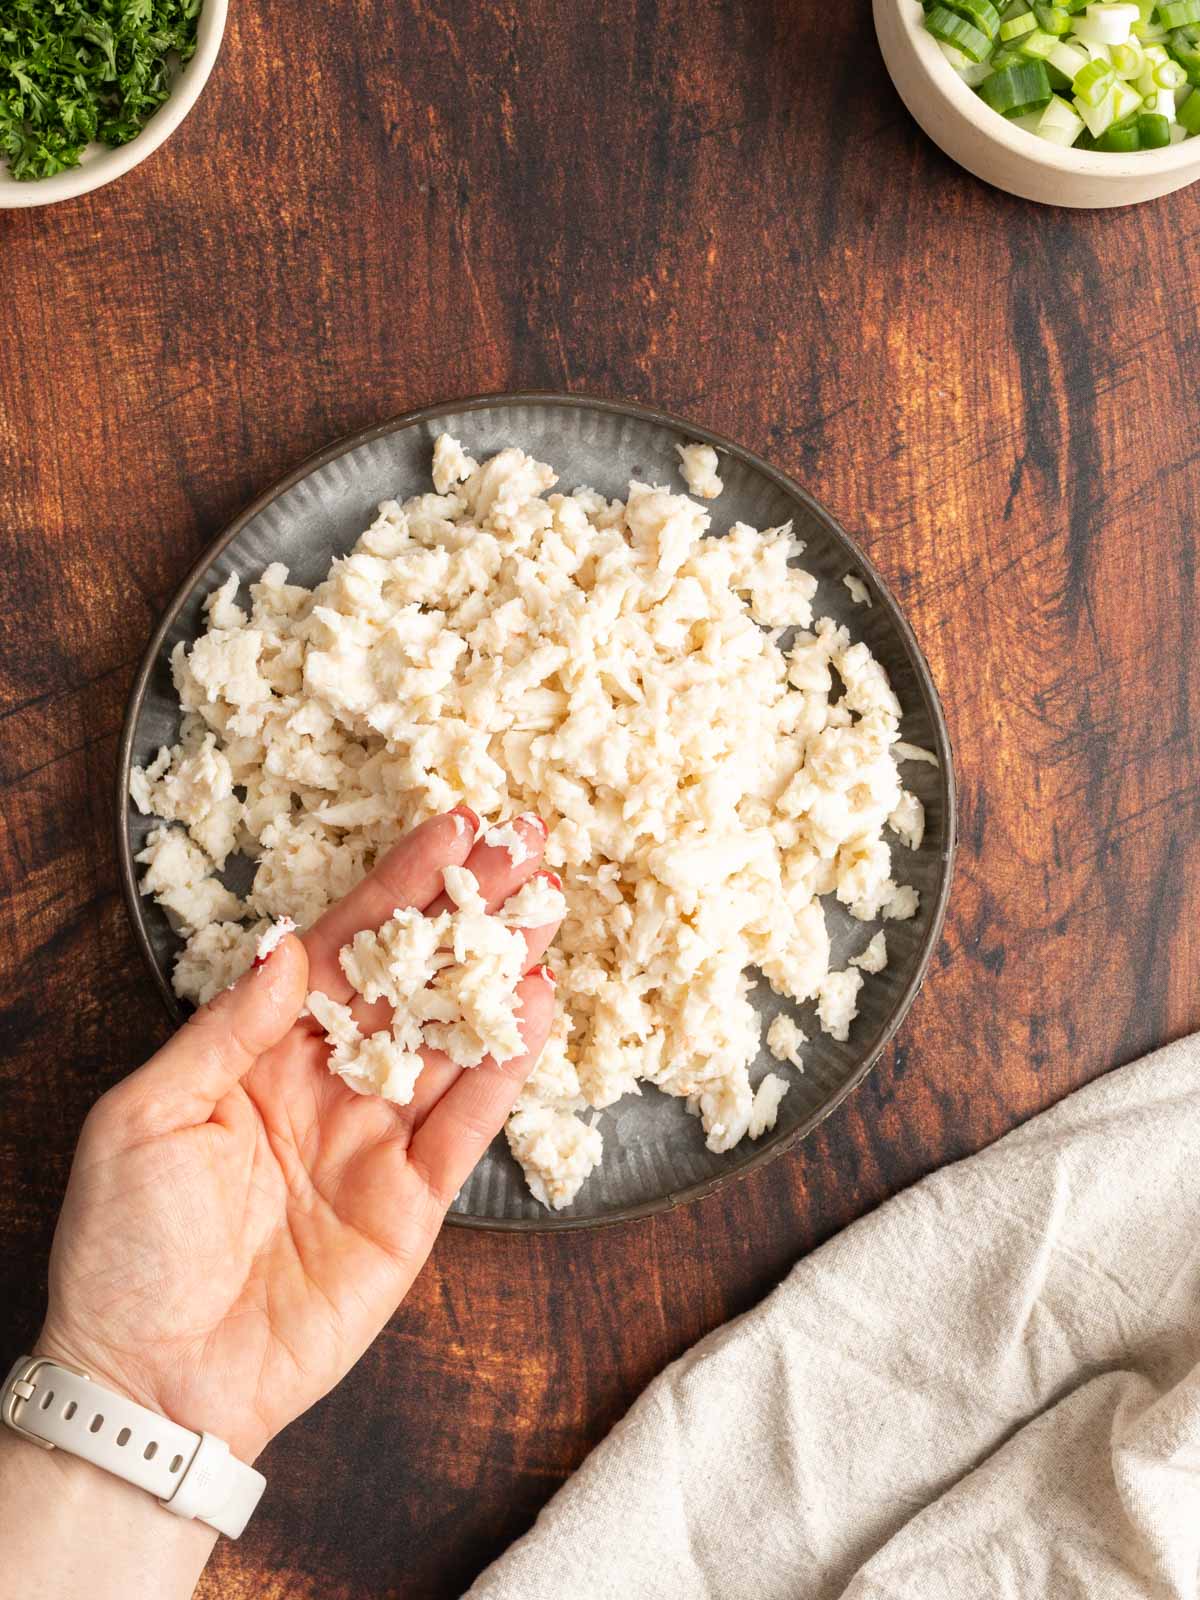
x: 721, y: 208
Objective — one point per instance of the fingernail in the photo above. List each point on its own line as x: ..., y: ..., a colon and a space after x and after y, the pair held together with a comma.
x: 534, y: 821
x: 551, y: 877
x: 271, y: 939
x: 544, y: 972
x: 468, y: 816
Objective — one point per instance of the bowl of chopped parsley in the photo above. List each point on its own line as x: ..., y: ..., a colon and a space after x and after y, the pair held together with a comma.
x: 89, y: 88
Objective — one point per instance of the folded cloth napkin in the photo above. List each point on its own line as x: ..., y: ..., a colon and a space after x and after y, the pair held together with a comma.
x: 989, y: 1387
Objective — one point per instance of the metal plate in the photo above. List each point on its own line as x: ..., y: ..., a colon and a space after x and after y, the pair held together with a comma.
x: 654, y: 1151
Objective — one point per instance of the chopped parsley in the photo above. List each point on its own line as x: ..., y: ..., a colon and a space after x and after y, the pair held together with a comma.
x: 72, y: 71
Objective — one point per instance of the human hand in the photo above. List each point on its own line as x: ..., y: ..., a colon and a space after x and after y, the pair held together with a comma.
x: 238, y: 1223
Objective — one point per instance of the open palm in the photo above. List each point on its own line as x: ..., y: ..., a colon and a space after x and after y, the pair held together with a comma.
x: 239, y: 1224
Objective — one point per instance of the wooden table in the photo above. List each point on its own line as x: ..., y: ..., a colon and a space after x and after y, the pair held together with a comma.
x: 725, y: 210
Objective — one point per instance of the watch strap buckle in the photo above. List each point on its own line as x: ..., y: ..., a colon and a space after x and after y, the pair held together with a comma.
x: 19, y: 1389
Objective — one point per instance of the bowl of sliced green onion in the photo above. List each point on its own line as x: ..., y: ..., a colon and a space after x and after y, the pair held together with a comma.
x: 89, y: 88
x: 1070, y: 102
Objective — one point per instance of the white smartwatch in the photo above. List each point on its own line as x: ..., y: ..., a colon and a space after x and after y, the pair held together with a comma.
x: 192, y: 1474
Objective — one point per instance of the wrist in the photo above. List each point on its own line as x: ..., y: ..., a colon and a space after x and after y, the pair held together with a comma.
x: 192, y: 1475
x: 245, y: 1434
x: 77, y: 1485
x: 55, y: 1508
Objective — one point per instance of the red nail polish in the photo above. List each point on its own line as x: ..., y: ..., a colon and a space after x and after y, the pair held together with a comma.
x: 551, y: 877
x: 544, y: 972
x: 467, y: 815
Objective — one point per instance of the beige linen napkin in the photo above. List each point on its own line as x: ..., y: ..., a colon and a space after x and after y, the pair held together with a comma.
x: 989, y: 1387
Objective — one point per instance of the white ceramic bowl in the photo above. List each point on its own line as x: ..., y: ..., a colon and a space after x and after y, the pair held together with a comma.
x: 981, y: 140
x: 99, y: 165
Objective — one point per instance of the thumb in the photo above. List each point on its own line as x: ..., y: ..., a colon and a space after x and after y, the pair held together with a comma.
x: 221, y: 1041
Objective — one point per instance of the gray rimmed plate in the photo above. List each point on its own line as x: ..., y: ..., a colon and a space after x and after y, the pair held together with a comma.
x: 654, y: 1151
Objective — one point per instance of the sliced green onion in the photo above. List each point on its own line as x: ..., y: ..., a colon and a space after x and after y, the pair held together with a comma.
x: 1068, y: 59
x: 981, y: 12
x: 1020, y: 88
x: 1162, y: 102
x: 1178, y: 13
x: 1189, y: 60
x: 1016, y: 26
x: 1098, y: 118
x: 1107, y: 24
x: 1093, y: 36
x: 1093, y: 82
x: 1054, y: 20
x: 1153, y: 130
x: 950, y: 28
x: 1093, y: 74
x: 1128, y: 59
x: 1126, y: 100
x: 972, y: 73
x: 1120, y: 138
x: 1059, y: 122
x: 1184, y: 47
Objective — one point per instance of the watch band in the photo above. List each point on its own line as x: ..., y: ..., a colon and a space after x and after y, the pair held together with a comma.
x: 192, y: 1474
